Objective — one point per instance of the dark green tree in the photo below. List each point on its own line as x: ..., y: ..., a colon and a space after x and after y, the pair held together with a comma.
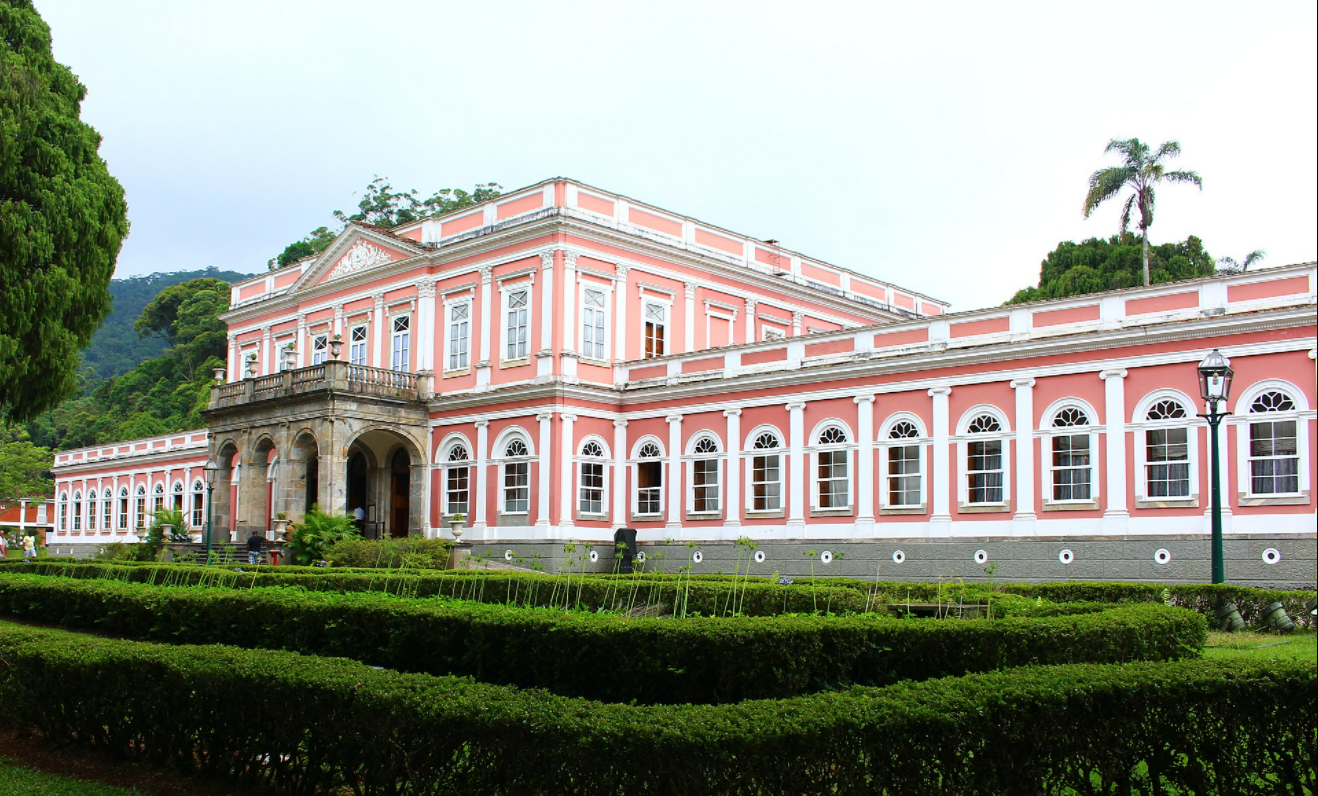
x: 1095, y: 265
x: 63, y: 219
x: 24, y: 467
x: 382, y: 206
x: 1141, y: 172
x: 1231, y: 266
x: 186, y: 316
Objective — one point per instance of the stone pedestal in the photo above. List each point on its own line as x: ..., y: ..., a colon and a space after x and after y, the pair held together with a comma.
x: 459, y: 555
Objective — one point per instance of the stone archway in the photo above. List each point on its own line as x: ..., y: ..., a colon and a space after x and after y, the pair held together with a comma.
x: 223, y: 494
x: 385, y: 474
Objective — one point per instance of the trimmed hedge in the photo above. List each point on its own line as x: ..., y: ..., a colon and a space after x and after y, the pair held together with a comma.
x: 1201, y: 597
x: 604, y: 656
x: 301, y: 725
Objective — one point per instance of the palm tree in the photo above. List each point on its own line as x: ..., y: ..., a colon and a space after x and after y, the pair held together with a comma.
x: 1142, y: 173
x: 1230, y: 263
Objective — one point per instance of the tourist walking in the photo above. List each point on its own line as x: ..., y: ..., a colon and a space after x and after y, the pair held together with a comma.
x: 254, y: 544
x: 29, y: 547
x: 4, y: 547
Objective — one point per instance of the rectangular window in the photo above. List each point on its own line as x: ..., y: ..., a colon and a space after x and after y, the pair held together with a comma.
x: 766, y: 483
x: 1071, y: 471
x: 591, y: 488
x: 198, y: 509
x: 516, y: 488
x: 107, y: 514
x: 77, y: 515
x: 457, y: 482
x: 984, y: 471
x: 516, y: 326
x: 141, y: 511
x: 834, y: 491
x: 1274, y: 462
x: 159, y: 502
x: 123, y: 512
x: 319, y: 349
x: 1167, y: 463
x: 459, y: 335
x: 904, y: 489
x: 655, y: 318
x: 706, y: 485
x: 357, y: 346
x: 592, y: 324
x: 649, y: 487
x: 401, y: 359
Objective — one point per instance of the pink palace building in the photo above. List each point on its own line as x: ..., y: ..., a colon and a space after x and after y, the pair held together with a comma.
x: 563, y: 361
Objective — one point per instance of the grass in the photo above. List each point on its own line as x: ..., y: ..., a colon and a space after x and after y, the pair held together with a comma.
x: 16, y: 780
x: 1299, y: 646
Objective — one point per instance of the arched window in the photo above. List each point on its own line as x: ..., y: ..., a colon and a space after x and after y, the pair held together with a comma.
x: 64, y: 511
x: 516, y: 477
x: 77, y: 511
x: 107, y: 509
x: 706, y: 497
x: 649, y: 479
x: 766, y: 473
x: 984, y: 462
x: 1274, y: 461
x: 1167, y: 451
x: 92, y: 513
x: 832, y: 471
x: 139, y: 510
x: 123, y: 509
x: 1071, y: 463
x: 198, y: 512
x: 178, y: 495
x: 904, y: 471
x: 158, y: 501
x: 590, y: 479
x: 457, y: 480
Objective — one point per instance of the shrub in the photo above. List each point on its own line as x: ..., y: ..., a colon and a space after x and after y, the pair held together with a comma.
x: 412, y: 552
x: 318, y: 531
x: 319, y: 725
x: 122, y: 551
x: 1201, y: 597
x: 178, y: 524
x: 604, y: 656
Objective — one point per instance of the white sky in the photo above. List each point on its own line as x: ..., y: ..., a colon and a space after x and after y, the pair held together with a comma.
x: 942, y: 146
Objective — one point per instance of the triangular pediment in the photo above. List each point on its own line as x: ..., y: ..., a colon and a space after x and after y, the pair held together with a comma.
x: 359, y: 248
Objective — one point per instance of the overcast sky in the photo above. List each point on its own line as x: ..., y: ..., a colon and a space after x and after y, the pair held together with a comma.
x: 942, y: 146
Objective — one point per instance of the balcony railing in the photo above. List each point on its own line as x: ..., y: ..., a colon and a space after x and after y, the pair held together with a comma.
x: 327, y: 376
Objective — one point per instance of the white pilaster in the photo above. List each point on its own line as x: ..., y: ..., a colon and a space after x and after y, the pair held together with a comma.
x: 865, y: 484
x: 797, y: 316
x: 378, y: 332
x: 544, y: 469
x: 689, y: 328
x: 619, y: 473
x: 570, y: 304
x: 300, y: 341
x: 1025, y: 472
x: 1114, y: 395
x: 619, y: 347
x: 487, y: 328
x: 732, y: 470
x: 796, y: 463
x: 235, y: 362
x: 674, y: 471
x: 481, y: 501
x: 751, y: 306
x: 267, y: 359
x: 546, y: 302
x: 338, y: 319
x: 425, y: 311
x: 566, y: 470
x: 941, y: 519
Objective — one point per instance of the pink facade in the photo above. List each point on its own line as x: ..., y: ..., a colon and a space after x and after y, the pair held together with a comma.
x: 585, y: 361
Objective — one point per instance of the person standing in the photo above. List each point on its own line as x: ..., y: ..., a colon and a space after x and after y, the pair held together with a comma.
x: 254, y: 544
x: 4, y: 547
x: 29, y: 547
x: 359, y: 519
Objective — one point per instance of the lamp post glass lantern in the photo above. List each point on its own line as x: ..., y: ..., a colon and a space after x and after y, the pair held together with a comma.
x: 212, y: 473
x: 1215, y: 388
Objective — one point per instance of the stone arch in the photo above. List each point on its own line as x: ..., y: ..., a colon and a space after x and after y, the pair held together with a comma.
x: 386, y: 474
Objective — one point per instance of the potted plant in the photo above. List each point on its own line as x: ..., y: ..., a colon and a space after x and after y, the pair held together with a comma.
x: 456, y: 522
x: 251, y: 365
x: 279, y: 524
x: 219, y: 374
x: 336, y: 345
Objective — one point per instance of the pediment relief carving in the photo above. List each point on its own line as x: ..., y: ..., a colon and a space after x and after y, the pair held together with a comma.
x: 361, y: 255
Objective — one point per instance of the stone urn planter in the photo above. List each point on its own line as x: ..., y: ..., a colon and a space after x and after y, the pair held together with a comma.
x: 279, y: 528
x: 457, y: 523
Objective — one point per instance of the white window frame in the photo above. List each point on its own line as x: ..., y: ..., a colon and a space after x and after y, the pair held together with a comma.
x: 77, y: 511
x: 506, y: 292
x: 885, y: 444
x: 667, y: 306
x: 157, y: 497
x: 63, y: 512
x: 197, y: 514
x: 139, y: 506
x: 719, y: 457
x: 1048, y: 433
x: 813, y: 453
x: 358, y: 350
x: 447, y: 464
x: 604, y: 460
x: 1243, y: 419
x: 400, y: 343
x: 1141, y: 424
x: 633, y: 465
x: 178, y: 501
x: 457, y: 331
x: 319, y: 348
x: 123, y: 509
x: 504, y: 462
x: 749, y: 453
x: 606, y: 292
x: 107, y: 509
x: 962, y: 440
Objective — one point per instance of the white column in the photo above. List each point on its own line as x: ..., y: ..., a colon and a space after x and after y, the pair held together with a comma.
x: 487, y: 328
x: 619, y: 473
x: 619, y: 347
x: 674, y: 472
x: 235, y: 362
x: 567, y: 467
x: 797, y: 315
x: 546, y: 303
x: 1114, y: 394
x: 1026, y: 476
x: 941, y: 470
x: 569, y: 303
x: 338, y: 319
x: 300, y: 341
x: 378, y: 331
x: 482, y: 477
x: 689, y: 330
x: 751, y: 305
x: 865, y: 484
x: 267, y: 360
x: 546, y: 420
x: 425, y: 333
x: 22, y: 512
x: 732, y: 470
x: 796, y: 463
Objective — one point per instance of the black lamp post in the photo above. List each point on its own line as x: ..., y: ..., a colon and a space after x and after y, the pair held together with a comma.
x: 212, y: 472
x: 1215, y: 387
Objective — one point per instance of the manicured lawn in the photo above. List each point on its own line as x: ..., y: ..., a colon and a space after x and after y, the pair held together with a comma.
x: 18, y: 781
x: 1263, y: 646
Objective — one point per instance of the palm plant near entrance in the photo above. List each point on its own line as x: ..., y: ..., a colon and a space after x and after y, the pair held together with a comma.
x: 1141, y: 171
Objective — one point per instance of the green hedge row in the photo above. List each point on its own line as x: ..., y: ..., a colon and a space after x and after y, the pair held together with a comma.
x: 603, y: 656
x: 750, y: 597
x: 300, y: 725
x: 1201, y: 597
